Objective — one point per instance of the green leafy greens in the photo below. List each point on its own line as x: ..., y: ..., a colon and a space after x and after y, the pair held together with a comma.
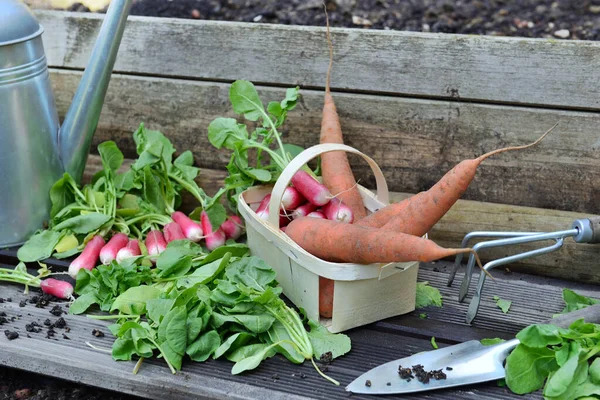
x: 561, y: 361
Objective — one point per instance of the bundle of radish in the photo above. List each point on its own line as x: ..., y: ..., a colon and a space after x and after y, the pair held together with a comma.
x: 55, y: 287
x: 126, y: 214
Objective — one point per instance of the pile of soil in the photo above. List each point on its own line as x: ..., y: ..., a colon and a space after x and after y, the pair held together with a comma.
x: 562, y: 19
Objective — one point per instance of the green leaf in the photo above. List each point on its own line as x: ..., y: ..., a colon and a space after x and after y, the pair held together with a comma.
x: 504, y: 305
x: 560, y: 380
x: 61, y: 194
x: 204, y: 346
x: 323, y: 341
x: 111, y: 156
x: 233, y: 342
x: 82, y: 303
x: 594, y: 371
x: 291, y: 98
x: 527, y: 368
x: 205, y: 274
x: 66, y: 254
x: 156, y: 309
x: 127, y: 181
x: 427, y: 296
x: 174, y: 358
x: 84, y: 224
x: 251, y: 362
x: 133, y: 300
x: 574, y: 301
x: 249, y: 351
x: 217, y: 215
x: 255, y: 323
x: 580, y: 384
x: 236, y: 250
x: 252, y: 272
x: 154, y: 143
x: 433, y: 343
x: 177, y: 331
x: 152, y: 192
x: 491, y: 342
x: 277, y: 334
x: 292, y: 149
x: 245, y: 100
x: 226, y: 132
x: 258, y: 174
x: 39, y: 246
x: 540, y: 335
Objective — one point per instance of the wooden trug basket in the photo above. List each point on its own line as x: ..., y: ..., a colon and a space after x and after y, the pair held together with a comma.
x: 362, y: 293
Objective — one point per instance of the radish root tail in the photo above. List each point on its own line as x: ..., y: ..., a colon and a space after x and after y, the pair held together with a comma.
x: 491, y: 153
x: 477, y: 259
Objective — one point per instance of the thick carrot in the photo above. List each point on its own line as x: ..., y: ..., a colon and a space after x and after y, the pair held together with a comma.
x: 419, y: 213
x: 336, y: 172
x: 338, y: 242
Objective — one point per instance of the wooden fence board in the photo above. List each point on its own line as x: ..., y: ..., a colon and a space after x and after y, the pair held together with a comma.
x: 543, y: 72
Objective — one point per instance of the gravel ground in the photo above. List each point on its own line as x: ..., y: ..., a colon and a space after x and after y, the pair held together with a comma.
x: 562, y: 19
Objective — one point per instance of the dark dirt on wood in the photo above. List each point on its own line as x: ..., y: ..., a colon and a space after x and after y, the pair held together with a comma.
x: 561, y: 19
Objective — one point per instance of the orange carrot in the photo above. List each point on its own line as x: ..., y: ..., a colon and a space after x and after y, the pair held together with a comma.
x: 338, y: 242
x: 336, y: 171
x: 419, y: 213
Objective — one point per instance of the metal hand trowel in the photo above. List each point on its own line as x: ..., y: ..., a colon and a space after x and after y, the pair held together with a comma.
x: 462, y: 364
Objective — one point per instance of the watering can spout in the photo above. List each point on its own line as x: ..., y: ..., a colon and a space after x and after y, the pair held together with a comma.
x: 77, y: 130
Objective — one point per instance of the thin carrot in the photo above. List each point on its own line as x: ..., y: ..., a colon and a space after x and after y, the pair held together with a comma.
x: 336, y: 172
x: 338, y: 242
x: 419, y: 213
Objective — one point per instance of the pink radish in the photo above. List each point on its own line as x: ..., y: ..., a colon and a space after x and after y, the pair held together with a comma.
x: 110, y: 249
x: 317, y: 214
x: 192, y: 230
x: 131, y: 250
x: 88, y: 257
x: 311, y: 189
x: 212, y: 239
x: 232, y: 227
x: 155, y: 243
x: 303, y: 210
x: 264, y: 204
x: 57, y: 288
x: 172, y: 231
x: 336, y: 210
x: 291, y: 198
x: 282, y: 229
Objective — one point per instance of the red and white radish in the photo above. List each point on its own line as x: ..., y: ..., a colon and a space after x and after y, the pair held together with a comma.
x: 233, y: 227
x: 317, y: 214
x: 311, y: 189
x: 291, y: 198
x: 336, y: 210
x: 303, y: 210
x: 57, y: 288
x: 110, y: 249
x: 172, y: 231
x: 263, y: 211
x: 191, y: 229
x: 88, y: 257
x: 155, y: 242
x: 131, y: 250
x: 212, y: 239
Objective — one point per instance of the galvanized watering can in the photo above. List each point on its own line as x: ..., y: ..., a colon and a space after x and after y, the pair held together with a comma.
x: 34, y: 150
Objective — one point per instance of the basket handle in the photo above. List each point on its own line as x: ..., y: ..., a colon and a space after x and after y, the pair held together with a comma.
x: 294, y: 166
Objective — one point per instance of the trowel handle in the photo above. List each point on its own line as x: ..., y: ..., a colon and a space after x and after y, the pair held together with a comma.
x: 589, y: 230
x: 589, y: 314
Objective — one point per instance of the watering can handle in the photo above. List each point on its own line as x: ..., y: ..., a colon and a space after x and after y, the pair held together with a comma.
x: 589, y: 230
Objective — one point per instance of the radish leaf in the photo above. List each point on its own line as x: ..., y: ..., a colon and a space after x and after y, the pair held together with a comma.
x: 39, y: 246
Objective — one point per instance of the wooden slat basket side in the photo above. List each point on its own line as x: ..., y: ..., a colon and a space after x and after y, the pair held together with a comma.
x: 362, y: 293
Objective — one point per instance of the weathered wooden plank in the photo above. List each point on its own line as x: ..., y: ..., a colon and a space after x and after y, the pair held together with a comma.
x: 490, y: 69
x: 414, y: 141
